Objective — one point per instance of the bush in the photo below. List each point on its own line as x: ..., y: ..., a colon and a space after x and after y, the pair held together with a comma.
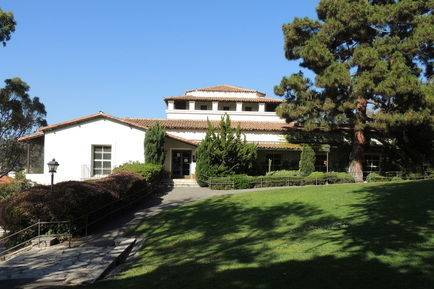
x: 375, y: 177
x: 307, y: 160
x: 18, y: 184
x: 284, y: 173
x: 233, y: 182
x: 277, y: 179
x: 154, y: 144
x: 223, y: 152
x: 341, y: 177
x: 150, y: 172
x: 72, y: 201
x: 397, y: 179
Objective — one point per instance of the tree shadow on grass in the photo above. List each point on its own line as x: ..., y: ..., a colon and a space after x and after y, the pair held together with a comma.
x: 221, y: 229
x: 223, y: 244
x: 325, y: 272
x: 399, y: 219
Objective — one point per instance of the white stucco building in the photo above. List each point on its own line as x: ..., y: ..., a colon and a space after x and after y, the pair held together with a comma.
x: 91, y: 146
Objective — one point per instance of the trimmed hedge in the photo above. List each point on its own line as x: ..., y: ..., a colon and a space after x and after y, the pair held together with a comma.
x: 376, y: 177
x: 278, y: 179
x: 149, y: 171
x: 76, y: 201
x: 284, y: 173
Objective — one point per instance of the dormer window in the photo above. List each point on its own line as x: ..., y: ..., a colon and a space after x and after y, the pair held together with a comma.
x: 226, y: 107
x: 204, y: 107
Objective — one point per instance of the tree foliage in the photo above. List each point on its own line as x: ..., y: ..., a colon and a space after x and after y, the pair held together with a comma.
x: 307, y: 160
x: 7, y: 26
x: 154, y: 144
x: 372, y: 62
x: 20, y: 113
x: 224, y: 151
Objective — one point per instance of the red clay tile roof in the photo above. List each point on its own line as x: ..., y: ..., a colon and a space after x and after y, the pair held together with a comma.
x: 80, y: 120
x: 260, y: 145
x: 203, y: 124
x: 217, y: 98
x: 187, y: 141
x: 144, y: 123
x: 34, y: 135
x: 226, y: 88
x: 279, y: 146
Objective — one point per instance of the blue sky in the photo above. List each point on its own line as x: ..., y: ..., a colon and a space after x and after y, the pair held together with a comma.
x: 124, y: 57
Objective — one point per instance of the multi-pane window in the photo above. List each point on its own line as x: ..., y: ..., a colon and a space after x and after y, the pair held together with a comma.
x: 372, y: 162
x: 321, y: 162
x: 102, y: 160
x: 276, y: 161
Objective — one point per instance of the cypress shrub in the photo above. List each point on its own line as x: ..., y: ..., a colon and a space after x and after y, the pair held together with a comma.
x: 307, y: 161
x: 223, y: 152
x: 154, y: 144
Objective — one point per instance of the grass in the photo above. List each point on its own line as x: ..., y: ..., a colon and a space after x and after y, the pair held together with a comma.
x: 336, y: 236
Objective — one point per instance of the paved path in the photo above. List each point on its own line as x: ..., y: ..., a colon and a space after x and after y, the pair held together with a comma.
x: 60, y: 265
x: 120, y: 225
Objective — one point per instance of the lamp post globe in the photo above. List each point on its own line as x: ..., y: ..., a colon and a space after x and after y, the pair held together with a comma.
x: 52, y: 168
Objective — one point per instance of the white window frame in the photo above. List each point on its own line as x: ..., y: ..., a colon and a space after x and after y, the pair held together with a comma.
x: 103, y: 171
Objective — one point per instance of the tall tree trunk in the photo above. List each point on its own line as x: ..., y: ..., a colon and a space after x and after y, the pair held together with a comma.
x: 358, y: 156
x: 358, y: 153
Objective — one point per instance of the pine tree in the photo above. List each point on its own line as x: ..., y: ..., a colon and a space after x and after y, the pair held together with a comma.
x: 154, y: 144
x: 372, y: 61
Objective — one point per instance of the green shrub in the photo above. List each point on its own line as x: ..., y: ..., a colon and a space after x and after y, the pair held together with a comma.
x: 223, y: 152
x: 154, y: 144
x: 317, y: 175
x: 18, y: 184
x: 149, y: 171
x: 278, y: 179
x: 341, y: 177
x: 397, y: 179
x: 375, y: 177
x: 233, y: 182
x: 284, y: 173
x: 73, y: 201
x: 307, y: 161
x: 414, y: 176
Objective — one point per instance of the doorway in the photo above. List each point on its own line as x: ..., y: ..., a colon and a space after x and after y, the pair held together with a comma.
x: 181, y: 160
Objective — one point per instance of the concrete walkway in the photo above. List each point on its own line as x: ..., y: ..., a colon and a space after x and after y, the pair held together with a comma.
x: 120, y: 225
x: 85, y: 262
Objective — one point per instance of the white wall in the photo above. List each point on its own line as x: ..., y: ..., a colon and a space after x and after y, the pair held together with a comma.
x: 224, y: 94
x: 216, y: 115
x: 72, y: 148
x: 250, y: 136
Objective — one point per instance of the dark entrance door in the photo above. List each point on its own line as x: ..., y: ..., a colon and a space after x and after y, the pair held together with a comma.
x: 181, y: 160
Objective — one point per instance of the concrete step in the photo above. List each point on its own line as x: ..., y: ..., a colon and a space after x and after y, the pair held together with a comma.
x: 185, y: 183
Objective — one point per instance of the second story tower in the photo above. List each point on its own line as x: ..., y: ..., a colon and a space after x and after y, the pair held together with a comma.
x: 241, y: 104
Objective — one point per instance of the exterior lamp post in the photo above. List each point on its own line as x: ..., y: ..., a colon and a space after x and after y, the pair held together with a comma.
x: 52, y: 168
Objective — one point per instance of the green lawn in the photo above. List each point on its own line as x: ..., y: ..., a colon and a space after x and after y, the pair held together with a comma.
x: 335, y: 236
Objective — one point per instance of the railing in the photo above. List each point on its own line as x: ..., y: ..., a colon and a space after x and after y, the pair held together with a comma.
x: 30, y: 234
x: 111, y: 208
